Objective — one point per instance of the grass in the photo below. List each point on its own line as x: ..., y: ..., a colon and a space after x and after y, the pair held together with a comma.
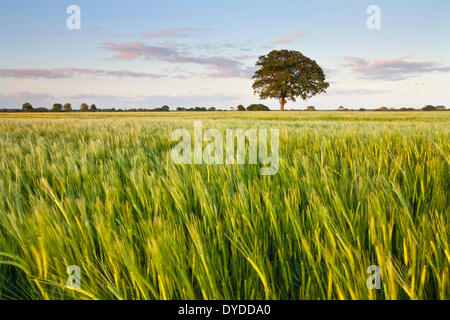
x: 100, y: 191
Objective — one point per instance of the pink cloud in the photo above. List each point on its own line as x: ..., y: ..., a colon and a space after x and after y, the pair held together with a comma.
x: 290, y: 38
x: 173, y: 33
x: 71, y: 72
x: 392, y: 69
x: 222, y: 66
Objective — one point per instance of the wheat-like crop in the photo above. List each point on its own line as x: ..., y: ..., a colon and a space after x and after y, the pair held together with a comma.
x: 100, y: 191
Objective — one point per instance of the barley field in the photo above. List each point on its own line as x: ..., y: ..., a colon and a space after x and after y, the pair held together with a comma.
x: 101, y: 192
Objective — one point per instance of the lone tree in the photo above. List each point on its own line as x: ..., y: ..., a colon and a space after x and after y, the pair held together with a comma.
x: 286, y: 75
x: 93, y: 108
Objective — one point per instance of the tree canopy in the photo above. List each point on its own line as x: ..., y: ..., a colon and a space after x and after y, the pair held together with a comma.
x: 67, y: 107
x: 57, y: 107
x: 84, y: 107
x: 285, y: 75
x: 27, y: 107
x: 258, y: 107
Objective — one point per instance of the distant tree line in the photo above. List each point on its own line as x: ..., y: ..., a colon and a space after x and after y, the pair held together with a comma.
x: 386, y: 109
x: 67, y: 107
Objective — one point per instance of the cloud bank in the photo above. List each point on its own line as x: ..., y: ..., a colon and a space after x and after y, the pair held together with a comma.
x: 64, y: 73
x: 290, y: 39
x: 174, y: 33
x: 219, y: 66
x: 393, y: 69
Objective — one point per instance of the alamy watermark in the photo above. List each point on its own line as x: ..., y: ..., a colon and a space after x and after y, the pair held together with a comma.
x: 73, y: 22
x: 374, y: 281
x: 235, y: 147
x: 374, y: 20
x: 74, y: 279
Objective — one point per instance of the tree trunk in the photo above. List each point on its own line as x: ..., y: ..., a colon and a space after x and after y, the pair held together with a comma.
x: 282, y: 103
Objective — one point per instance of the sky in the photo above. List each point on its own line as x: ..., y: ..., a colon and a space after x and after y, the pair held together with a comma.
x: 202, y: 53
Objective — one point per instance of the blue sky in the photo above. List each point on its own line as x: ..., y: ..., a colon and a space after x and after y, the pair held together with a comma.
x: 202, y: 53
